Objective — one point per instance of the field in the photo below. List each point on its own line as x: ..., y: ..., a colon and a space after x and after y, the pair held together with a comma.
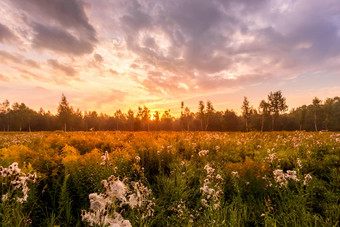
x: 170, y: 179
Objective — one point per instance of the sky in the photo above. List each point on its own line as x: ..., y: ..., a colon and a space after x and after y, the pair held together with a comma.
x: 121, y: 54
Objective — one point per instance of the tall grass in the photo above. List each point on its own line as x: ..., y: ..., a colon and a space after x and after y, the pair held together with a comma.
x: 196, y: 178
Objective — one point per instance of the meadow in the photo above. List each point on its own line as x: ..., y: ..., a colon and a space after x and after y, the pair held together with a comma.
x: 170, y: 179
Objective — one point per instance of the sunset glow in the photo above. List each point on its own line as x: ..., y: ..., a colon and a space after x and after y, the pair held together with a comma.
x: 109, y: 55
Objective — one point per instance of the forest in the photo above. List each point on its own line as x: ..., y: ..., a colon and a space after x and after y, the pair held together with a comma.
x: 270, y: 115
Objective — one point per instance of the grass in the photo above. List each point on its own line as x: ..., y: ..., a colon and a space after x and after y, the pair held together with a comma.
x: 241, y: 186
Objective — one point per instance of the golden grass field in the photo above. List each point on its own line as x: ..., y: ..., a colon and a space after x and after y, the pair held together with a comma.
x: 170, y: 179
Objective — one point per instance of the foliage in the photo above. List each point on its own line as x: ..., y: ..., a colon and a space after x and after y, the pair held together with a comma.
x: 313, y: 117
x: 171, y: 178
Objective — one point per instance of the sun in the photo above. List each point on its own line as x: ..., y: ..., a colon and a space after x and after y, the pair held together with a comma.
x: 152, y: 117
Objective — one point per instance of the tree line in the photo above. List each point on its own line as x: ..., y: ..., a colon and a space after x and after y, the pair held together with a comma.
x: 270, y: 115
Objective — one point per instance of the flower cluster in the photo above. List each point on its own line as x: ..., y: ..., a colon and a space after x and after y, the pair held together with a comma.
x: 218, y: 148
x: 282, y: 178
x: 116, y: 195
x: 203, y: 153
x: 308, y: 178
x: 272, y: 158
x: 235, y: 174
x: 105, y: 158
x: 298, y: 163
x: 211, y: 189
x: 140, y: 199
x: 16, y: 182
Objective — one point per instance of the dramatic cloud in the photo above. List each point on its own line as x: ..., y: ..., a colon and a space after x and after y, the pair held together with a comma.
x: 66, y: 27
x: 168, y: 50
x: 214, y: 40
x: 6, y: 35
x: 60, y: 40
x: 17, y: 59
x: 67, y: 70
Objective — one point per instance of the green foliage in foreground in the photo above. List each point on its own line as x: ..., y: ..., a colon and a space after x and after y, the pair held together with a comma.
x: 197, y: 178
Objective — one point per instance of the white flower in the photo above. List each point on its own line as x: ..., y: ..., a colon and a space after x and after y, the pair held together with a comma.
x: 133, y: 201
x: 308, y: 177
x: 204, y: 202
x: 209, y: 169
x: 235, y: 174
x: 298, y: 162
x: 218, y: 177
x: 203, y: 153
x: 117, y: 189
x: 105, y: 158
x: 18, y: 181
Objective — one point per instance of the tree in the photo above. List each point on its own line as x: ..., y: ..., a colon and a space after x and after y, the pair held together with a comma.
x: 4, y: 115
x: 76, y: 121
x: 328, y: 108
x: 188, y: 116
x: 119, y: 117
x: 130, y: 119
x: 264, y: 109
x: 246, y: 111
x: 64, y: 112
x: 21, y: 115
x: 316, y: 107
x: 167, y: 120
x: 201, y: 114
x: 302, y: 119
x: 146, y: 117
x: 277, y: 104
x: 209, y: 114
x: 231, y: 120
x: 156, y: 120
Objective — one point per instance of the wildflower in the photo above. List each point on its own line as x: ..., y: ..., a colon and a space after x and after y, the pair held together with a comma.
x: 308, y: 177
x: 105, y: 158
x: 211, y: 189
x: 218, y: 177
x: 203, y: 153
x: 17, y: 181
x: 279, y: 177
x: 204, y: 202
x: 298, y: 162
x: 235, y: 174
x: 115, y: 195
x: 209, y: 169
x: 137, y: 158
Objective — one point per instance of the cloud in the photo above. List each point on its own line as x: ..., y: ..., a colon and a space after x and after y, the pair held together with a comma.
x: 67, y: 70
x: 18, y: 59
x: 59, y: 25
x: 103, y: 98
x: 6, y: 56
x: 113, y: 72
x: 6, y: 35
x: 68, y: 13
x: 166, y: 50
x: 98, y: 58
x: 4, y: 78
x: 203, y: 43
x: 60, y: 40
